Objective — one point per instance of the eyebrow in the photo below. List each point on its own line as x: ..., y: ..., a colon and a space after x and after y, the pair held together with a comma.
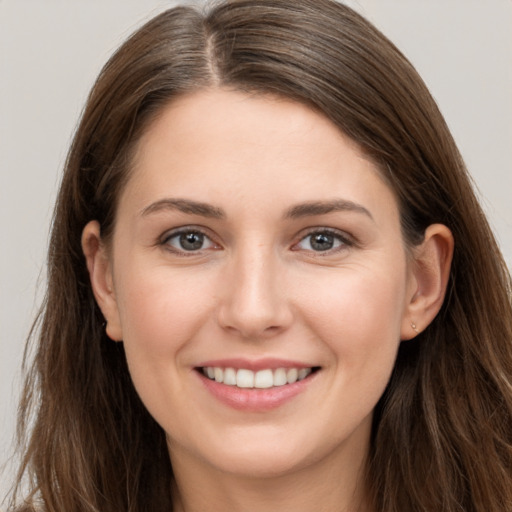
x: 185, y: 206
x: 323, y: 207
x: 301, y: 210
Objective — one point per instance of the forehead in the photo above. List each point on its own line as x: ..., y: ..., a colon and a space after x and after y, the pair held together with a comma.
x: 245, y: 118
x: 216, y: 142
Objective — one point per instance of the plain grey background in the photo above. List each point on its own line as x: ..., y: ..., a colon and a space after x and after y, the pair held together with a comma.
x: 51, y: 51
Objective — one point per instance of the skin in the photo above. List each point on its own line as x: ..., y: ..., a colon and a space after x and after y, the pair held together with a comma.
x: 257, y: 288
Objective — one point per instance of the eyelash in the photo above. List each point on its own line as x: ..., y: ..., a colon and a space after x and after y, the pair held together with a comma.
x: 342, y: 239
x: 187, y: 231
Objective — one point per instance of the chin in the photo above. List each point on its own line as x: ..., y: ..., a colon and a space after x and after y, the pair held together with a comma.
x: 264, y: 463
x: 268, y: 454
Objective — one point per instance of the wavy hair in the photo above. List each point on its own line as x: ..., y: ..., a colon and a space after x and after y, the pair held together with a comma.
x: 442, y: 433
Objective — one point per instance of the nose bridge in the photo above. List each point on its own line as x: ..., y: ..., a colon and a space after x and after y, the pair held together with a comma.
x: 255, y: 303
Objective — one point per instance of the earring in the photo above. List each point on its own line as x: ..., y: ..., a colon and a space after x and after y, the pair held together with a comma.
x: 414, y: 328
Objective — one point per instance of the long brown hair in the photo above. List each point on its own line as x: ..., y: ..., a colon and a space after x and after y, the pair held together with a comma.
x: 442, y: 436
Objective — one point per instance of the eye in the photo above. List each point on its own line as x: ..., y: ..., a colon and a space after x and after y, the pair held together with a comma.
x: 189, y: 240
x: 322, y: 241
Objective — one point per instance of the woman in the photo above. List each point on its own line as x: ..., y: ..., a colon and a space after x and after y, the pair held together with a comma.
x: 270, y: 283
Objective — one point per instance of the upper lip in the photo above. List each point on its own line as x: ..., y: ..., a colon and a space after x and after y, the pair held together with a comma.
x: 254, y: 364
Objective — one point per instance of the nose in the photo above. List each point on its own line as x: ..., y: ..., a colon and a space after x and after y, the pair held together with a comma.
x: 255, y: 303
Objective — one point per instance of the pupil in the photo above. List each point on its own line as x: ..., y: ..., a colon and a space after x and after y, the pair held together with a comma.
x: 322, y: 242
x: 191, y: 241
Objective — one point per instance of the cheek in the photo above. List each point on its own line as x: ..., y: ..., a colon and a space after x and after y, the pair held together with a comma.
x: 361, y: 327
x: 160, y: 315
x: 359, y: 318
x: 359, y: 299
x: 160, y: 311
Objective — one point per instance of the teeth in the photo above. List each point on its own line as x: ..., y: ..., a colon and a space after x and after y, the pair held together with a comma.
x: 303, y: 373
x: 291, y: 375
x: 262, y: 379
x: 245, y: 379
x: 280, y: 377
x: 230, y: 377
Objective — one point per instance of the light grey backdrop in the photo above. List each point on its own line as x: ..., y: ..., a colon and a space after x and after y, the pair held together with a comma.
x: 51, y: 51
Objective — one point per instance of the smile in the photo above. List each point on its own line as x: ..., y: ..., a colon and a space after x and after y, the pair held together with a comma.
x: 262, y: 379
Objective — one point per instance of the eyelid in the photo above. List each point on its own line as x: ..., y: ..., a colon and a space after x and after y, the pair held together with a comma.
x: 167, y: 235
x: 347, y: 240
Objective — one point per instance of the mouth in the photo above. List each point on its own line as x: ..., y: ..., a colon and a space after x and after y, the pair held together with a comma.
x: 267, y: 378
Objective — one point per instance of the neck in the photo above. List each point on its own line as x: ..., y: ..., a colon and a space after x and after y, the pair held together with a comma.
x: 323, y: 486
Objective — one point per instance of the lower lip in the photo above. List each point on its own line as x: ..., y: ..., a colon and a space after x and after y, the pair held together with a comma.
x: 253, y: 399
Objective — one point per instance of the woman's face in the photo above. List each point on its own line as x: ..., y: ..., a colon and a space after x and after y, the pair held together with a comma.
x: 259, y: 283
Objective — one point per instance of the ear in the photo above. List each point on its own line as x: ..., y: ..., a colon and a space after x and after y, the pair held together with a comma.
x: 429, y: 274
x: 100, y: 273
